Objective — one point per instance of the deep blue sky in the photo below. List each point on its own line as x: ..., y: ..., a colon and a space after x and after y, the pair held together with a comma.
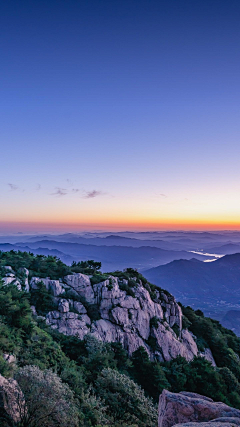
x: 120, y: 111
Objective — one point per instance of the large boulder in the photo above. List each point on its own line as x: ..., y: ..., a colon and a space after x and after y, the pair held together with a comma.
x: 185, y: 407
x: 218, y: 422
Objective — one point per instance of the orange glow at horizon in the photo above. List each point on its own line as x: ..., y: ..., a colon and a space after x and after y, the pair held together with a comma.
x: 138, y: 225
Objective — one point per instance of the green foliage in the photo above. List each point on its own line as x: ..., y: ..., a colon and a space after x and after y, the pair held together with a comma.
x: 39, y: 265
x: 6, y: 368
x: 45, y: 266
x: 42, y: 299
x: 98, y: 278
x: 104, y: 380
x: 86, y: 267
x: 199, y: 376
x: 127, y: 288
x: 110, y: 284
x: 176, y: 329
x: 40, y: 349
x: 126, y: 400
x: 224, y: 344
x: 152, y: 342
x: 150, y: 375
x: 14, y: 308
x: 154, y: 321
x: 93, y: 312
x: 47, y: 402
x: 185, y: 322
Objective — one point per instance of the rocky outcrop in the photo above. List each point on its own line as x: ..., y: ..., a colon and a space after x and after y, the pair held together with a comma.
x: 115, y: 310
x: 20, y: 279
x: 54, y: 286
x: 192, y: 408
x: 11, y: 399
x: 109, y: 313
x: 121, y: 317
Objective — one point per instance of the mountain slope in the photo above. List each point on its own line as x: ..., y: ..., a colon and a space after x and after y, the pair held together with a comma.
x: 103, y: 373
x: 215, y: 284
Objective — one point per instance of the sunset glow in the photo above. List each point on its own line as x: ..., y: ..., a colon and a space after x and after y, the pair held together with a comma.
x: 101, y: 131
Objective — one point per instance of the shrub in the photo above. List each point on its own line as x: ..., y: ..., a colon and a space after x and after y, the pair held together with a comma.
x: 154, y: 321
x: 176, y: 329
x: 126, y: 400
x: 48, y: 401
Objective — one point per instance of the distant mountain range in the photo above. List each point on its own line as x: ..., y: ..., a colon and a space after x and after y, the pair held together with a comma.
x: 112, y: 257
x: 209, y: 286
x: 170, y: 240
x: 228, y: 249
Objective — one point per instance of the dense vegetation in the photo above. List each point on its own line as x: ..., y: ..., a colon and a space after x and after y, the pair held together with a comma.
x: 101, y: 384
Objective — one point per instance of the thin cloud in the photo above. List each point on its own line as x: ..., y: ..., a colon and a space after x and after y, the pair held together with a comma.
x: 13, y: 187
x: 75, y: 190
x: 60, y: 192
x: 92, y: 194
x: 157, y: 194
x: 38, y: 187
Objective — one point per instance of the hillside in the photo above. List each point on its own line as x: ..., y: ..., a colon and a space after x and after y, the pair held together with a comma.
x: 209, y: 286
x: 114, y: 339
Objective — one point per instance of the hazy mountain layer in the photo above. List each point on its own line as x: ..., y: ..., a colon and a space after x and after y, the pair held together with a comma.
x: 111, y: 257
x: 213, y: 286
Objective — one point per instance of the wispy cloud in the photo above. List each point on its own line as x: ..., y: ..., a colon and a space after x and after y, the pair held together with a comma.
x: 59, y: 192
x: 13, y: 187
x: 38, y: 187
x: 92, y: 194
x: 162, y: 195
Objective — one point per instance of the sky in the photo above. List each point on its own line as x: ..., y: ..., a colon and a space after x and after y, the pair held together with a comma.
x: 119, y: 114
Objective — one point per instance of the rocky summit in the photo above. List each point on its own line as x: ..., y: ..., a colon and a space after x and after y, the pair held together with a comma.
x: 117, y: 310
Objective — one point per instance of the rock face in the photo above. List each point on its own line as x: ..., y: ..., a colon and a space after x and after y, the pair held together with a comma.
x: 53, y: 286
x: 11, y: 398
x: 189, y: 409
x: 122, y: 318
x: 12, y: 278
x: 109, y: 313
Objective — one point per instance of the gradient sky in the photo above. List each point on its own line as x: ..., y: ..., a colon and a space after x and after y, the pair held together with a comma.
x: 119, y: 114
